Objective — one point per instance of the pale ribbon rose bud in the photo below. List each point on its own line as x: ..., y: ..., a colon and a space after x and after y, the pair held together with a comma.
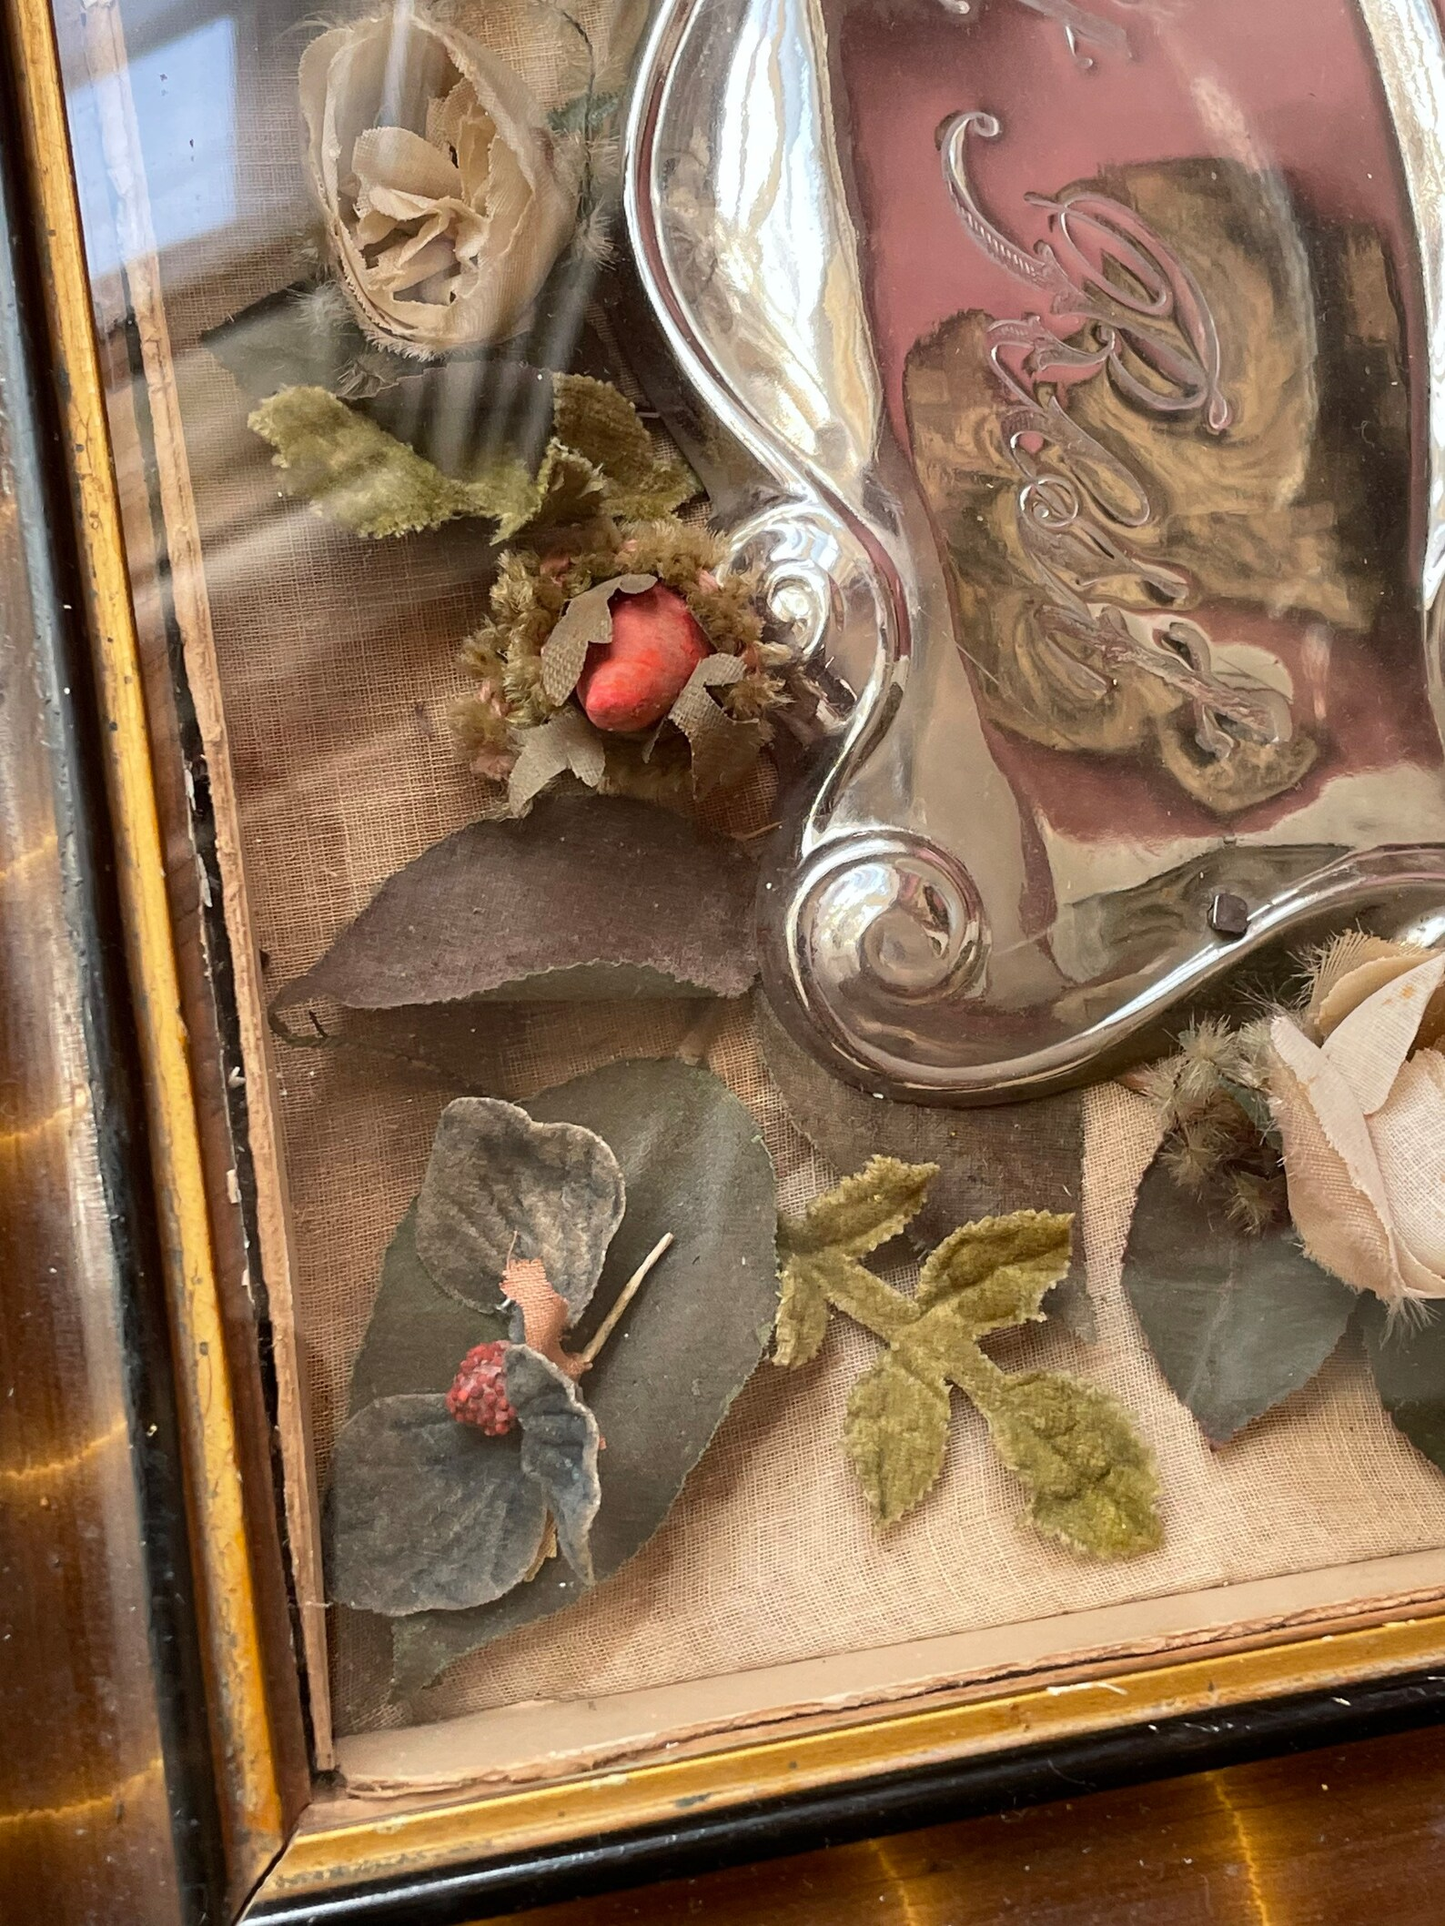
x: 445, y: 202
x: 1362, y: 1121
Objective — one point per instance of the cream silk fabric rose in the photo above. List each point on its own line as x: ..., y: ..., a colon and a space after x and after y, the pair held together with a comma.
x: 1362, y: 1119
x: 445, y: 200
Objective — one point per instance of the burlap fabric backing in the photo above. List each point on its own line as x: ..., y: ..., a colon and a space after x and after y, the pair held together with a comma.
x: 338, y: 664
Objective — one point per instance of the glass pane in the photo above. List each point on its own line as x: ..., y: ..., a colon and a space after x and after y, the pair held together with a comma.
x: 742, y: 591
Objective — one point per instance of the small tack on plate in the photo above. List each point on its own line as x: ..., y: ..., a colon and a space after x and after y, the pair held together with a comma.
x: 1229, y: 915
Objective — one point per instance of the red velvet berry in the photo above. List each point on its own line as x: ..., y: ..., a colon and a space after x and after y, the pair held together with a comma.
x: 479, y: 1391
x: 634, y: 680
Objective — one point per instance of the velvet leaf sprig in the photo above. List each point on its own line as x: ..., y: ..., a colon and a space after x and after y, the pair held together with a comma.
x: 599, y: 459
x: 1090, y: 1478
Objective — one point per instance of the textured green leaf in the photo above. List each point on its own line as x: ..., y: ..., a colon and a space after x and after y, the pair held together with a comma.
x: 996, y: 1273
x: 814, y: 1279
x: 1090, y: 1477
x: 1236, y: 1322
x: 693, y: 1164
x: 567, y: 489
x: 896, y: 1434
x: 1407, y: 1355
x: 989, y: 1160
x: 802, y: 1313
x: 644, y: 479
x: 854, y: 1290
x: 864, y: 1211
x: 425, y: 1514
x: 348, y: 468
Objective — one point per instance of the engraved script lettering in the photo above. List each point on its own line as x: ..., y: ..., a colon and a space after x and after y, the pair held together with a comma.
x: 1139, y: 320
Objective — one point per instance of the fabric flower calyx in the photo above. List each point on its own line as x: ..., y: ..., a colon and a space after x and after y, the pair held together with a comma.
x: 632, y: 663
x: 445, y: 1501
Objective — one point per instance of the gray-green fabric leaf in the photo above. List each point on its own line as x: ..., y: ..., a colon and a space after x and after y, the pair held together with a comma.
x: 1408, y: 1360
x: 896, y: 1433
x: 499, y: 1186
x: 693, y: 1164
x: 559, y: 1449
x: 1236, y: 1322
x: 417, y: 1334
x: 425, y: 1514
x: 303, y: 336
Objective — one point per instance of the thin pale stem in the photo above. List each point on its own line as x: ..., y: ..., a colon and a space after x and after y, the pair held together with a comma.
x: 625, y: 1296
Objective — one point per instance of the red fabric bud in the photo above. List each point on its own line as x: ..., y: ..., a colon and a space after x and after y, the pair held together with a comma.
x: 479, y: 1391
x: 656, y: 644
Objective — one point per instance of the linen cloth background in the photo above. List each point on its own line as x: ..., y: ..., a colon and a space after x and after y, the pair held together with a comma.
x: 338, y: 664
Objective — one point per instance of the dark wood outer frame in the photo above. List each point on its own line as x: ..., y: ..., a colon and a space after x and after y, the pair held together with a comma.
x: 330, y: 1859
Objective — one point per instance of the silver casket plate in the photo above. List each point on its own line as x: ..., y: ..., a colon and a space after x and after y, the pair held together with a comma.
x: 1090, y: 361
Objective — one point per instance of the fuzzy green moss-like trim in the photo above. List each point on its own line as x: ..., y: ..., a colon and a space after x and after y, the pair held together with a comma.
x: 529, y: 595
x: 1219, y: 1138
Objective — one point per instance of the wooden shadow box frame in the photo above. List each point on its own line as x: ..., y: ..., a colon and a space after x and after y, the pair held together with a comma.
x: 286, y: 1847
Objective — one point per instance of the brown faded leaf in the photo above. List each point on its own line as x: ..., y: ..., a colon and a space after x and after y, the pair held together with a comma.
x: 586, y: 897
x: 896, y: 1434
